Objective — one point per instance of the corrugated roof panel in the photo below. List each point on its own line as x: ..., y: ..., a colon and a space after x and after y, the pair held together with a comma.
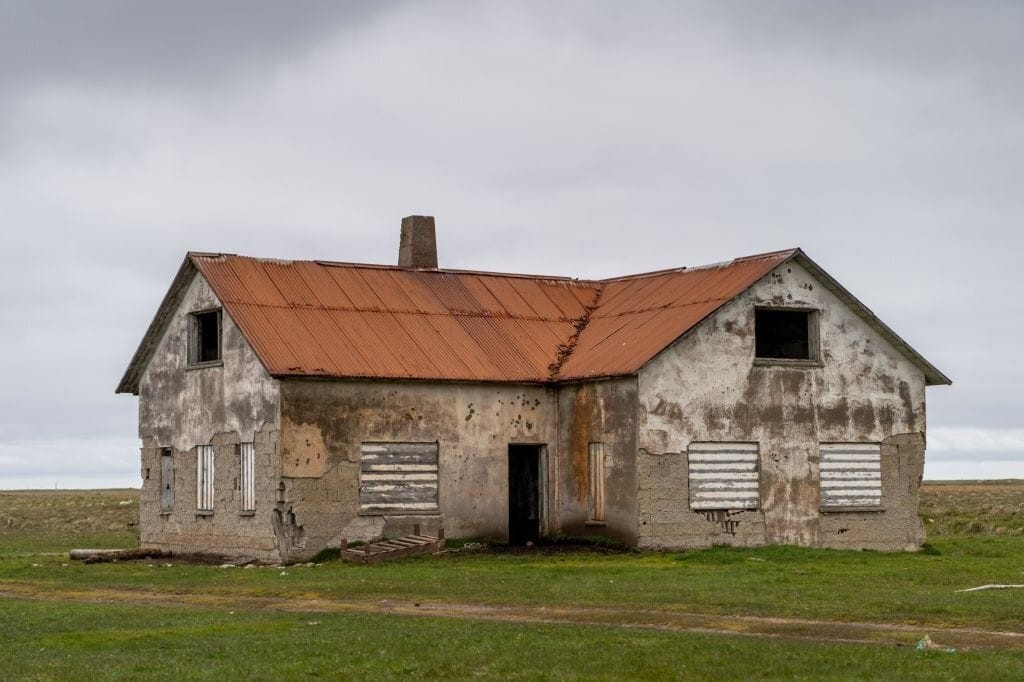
x: 262, y: 333
x: 535, y: 292
x: 509, y: 299
x: 479, y: 363
x: 454, y: 293
x: 323, y: 286
x: 259, y: 288
x: 230, y: 287
x: 392, y: 298
x: 289, y: 283
x: 420, y: 296
x: 562, y: 296
x: 494, y: 339
x: 345, y: 355
x: 389, y: 352
x: 605, y: 346
x: 417, y: 362
x: 351, y: 282
x: 441, y: 355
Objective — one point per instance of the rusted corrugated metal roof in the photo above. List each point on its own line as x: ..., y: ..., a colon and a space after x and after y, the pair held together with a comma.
x: 307, y: 318
x: 637, y: 317
x: 314, y: 318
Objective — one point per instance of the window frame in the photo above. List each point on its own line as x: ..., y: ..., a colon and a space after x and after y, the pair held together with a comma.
x: 194, y: 345
x: 813, y: 337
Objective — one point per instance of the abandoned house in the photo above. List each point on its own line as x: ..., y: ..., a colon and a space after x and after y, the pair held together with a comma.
x: 285, y: 405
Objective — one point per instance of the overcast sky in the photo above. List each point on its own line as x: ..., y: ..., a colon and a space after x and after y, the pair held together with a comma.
x: 577, y: 138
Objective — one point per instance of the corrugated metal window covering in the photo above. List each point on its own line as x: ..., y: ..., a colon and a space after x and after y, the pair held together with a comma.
x: 724, y: 476
x: 597, y: 481
x: 851, y: 476
x: 398, y: 478
x: 204, y: 477
x: 247, y: 457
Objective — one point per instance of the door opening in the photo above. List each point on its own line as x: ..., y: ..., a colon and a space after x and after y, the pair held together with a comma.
x: 524, y: 493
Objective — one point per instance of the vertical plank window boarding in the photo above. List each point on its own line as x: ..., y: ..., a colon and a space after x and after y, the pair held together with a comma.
x: 247, y: 457
x: 204, y: 478
x: 596, y: 507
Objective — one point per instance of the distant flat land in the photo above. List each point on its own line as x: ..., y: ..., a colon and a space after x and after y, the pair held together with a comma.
x: 720, y: 613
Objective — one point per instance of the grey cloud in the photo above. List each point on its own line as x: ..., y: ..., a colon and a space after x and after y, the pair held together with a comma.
x: 153, y: 44
x: 570, y: 138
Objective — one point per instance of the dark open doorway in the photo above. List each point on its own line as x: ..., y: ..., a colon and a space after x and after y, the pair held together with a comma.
x: 524, y: 493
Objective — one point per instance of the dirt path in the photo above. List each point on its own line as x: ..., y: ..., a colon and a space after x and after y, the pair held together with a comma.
x: 756, y: 626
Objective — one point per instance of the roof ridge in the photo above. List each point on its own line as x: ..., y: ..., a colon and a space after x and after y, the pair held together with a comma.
x: 697, y: 268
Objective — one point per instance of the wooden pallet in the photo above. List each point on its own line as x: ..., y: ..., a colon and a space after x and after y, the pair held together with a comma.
x: 384, y: 550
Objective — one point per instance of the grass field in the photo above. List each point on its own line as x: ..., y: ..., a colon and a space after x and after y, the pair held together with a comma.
x: 774, y: 612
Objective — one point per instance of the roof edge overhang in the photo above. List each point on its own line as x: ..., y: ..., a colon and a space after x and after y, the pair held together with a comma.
x: 932, y: 375
x: 133, y: 374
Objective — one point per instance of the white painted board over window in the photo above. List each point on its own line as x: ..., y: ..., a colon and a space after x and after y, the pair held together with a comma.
x: 204, y: 477
x: 724, y: 476
x: 851, y: 476
x: 247, y: 484
x: 398, y: 478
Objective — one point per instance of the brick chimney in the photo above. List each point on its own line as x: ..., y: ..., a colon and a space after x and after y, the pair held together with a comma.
x: 418, y: 245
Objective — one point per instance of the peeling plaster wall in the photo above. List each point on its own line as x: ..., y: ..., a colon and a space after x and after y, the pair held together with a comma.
x: 598, y: 412
x: 707, y: 388
x: 181, y: 408
x: 324, y: 423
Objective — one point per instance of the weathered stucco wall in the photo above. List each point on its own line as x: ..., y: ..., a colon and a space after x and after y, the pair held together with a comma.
x: 707, y: 388
x: 224, y: 405
x: 324, y: 424
x: 598, y: 412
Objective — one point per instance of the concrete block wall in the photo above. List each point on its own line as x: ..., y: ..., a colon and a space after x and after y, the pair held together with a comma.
x: 228, y: 530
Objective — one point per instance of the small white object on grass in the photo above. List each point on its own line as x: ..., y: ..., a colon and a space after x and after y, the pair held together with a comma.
x: 991, y: 587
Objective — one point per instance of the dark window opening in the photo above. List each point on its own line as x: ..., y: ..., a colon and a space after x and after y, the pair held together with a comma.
x: 205, y: 337
x: 784, y: 334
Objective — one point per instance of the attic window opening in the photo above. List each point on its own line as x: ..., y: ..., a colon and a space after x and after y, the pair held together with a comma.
x: 204, y: 337
x: 786, y: 334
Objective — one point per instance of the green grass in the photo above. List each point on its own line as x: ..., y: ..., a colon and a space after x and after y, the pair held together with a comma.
x: 44, y: 640
x: 782, y: 581
x: 58, y: 637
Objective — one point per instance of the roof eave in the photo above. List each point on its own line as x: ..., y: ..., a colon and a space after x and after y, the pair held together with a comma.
x: 932, y: 375
x: 133, y: 374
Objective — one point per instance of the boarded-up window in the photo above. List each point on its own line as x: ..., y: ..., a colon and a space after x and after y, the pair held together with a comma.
x: 166, y: 479
x: 398, y: 478
x: 204, y: 477
x: 247, y: 479
x: 724, y: 476
x: 596, y: 481
x: 851, y: 476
